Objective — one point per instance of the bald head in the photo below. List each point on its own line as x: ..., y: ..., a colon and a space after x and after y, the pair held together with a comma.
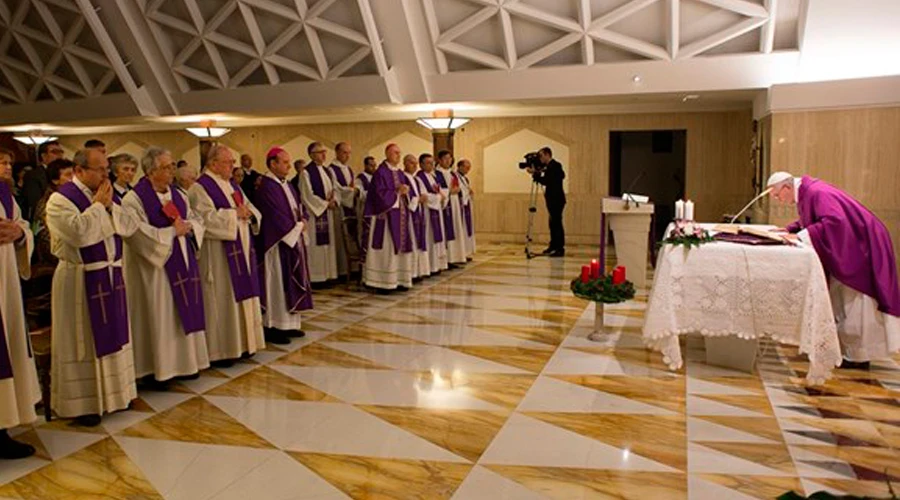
x: 410, y: 164
x: 392, y: 153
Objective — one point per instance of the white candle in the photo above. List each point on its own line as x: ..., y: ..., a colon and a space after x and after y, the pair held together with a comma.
x: 679, y: 210
x: 689, y: 210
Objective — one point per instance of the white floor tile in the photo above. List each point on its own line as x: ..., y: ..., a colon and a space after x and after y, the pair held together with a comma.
x: 551, y: 395
x: 483, y: 484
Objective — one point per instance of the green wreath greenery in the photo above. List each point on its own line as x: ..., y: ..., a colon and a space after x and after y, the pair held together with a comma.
x: 603, y: 290
x: 687, y: 235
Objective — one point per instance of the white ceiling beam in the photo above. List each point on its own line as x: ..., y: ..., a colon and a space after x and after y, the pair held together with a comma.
x: 475, y: 55
x: 271, y: 73
x: 174, y: 23
x: 5, y: 14
x: 673, y: 25
x: 104, y: 83
x: 54, y: 92
x: 301, y: 7
x: 243, y: 73
x: 19, y: 66
x: 221, y: 15
x: 231, y: 43
x: 630, y: 44
x: 109, y: 47
x: 275, y: 8
x: 259, y: 43
x: 368, y: 17
x: 802, y: 19
x: 56, y: 81
x: 30, y: 53
x: 109, y: 107
x: 86, y: 54
x: 196, y: 15
x: 348, y: 63
x: 198, y: 75
x: 435, y: 32
x: 215, y: 57
x: 716, y: 39
x: 509, y: 39
x: 15, y: 82
x: 291, y: 65
x: 68, y: 5
x: 467, y: 24
x: 767, y: 34
x: 315, y: 44
x: 544, y: 18
x: 742, y: 7
x: 320, y: 7
x: 49, y: 21
x: 9, y: 96
x: 338, y: 30
x: 80, y: 72
x: 620, y: 13
x: 187, y: 51
x: 281, y: 40
x: 587, y: 43
x: 408, y: 46
x: 548, y: 50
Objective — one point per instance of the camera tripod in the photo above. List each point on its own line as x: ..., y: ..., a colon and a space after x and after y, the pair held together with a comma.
x: 532, y: 209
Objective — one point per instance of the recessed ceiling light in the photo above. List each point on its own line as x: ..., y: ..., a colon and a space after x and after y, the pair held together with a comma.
x: 636, y: 79
x: 690, y: 97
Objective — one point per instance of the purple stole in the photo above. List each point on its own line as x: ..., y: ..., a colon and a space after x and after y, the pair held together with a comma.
x: 339, y: 176
x: 365, y: 182
x: 418, y: 218
x: 105, y: 294
x: 244, y: 281
x: 181, y: 274
x: 278, y: 220
x: 435, y: 215
x: 6, y: 200
x: 379, y: 204
x: 448, y: 211
x: 318, y: 188
x: 467, y: 209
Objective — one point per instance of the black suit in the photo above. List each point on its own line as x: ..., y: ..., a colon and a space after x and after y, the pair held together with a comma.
x: 248, y: 185
x: 552, y: 179
x: 33, y: 187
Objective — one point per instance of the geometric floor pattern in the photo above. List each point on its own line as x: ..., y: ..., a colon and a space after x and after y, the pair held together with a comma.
x: 479, y: 384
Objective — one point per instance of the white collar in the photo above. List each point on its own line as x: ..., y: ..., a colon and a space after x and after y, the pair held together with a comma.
x: 121, y: 187
x: 271, y: 175
x: 83, y: 187
x: 797, y: 182
x: 335, y: 162
x: 368, y: 175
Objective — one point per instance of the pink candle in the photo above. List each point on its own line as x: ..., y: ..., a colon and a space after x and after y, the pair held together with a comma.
x: 585, y: 274
x: 595, y: 269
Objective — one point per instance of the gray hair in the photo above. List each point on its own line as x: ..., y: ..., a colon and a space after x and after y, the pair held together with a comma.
x: 120, y: 159
x: 80, y: 159
x: 183, y: 172
x: 214, y: 151
x: 148, y: 162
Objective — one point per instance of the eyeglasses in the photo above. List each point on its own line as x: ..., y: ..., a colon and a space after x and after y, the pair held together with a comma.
x: 99, y: 169
x: 319, y: 151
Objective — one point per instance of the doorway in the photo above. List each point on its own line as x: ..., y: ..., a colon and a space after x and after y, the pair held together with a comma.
x: 650, y: 163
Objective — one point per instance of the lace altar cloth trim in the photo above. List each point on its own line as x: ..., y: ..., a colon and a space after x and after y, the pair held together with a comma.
x: 748, y: 291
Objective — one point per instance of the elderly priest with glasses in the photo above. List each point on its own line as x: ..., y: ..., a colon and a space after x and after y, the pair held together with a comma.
x: 858, y: 257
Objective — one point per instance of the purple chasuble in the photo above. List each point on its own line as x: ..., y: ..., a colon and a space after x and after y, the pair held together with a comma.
x: 466, y: 209
x: 244, y: 281
x: 433, y: 214
x: 418, y: 217
x: 184, y: 277
x: 343, y: 181
x: 6, y: 199
x: 448, y: 210
x: 278, y: 219
x: 380, y: 200
x: 854, y: 246
x: 105, y: 293
x: 318, y: 188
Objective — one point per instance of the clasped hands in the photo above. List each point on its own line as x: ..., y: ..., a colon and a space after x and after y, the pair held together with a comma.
x: 10, y: 231
x: 243, y: 212
x: 181, y: 227
x: 104, y: 194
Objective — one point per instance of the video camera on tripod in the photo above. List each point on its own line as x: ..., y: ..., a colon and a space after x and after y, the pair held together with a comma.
x: 532, y: 160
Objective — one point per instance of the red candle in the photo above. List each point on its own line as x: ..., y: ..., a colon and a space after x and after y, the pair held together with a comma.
x: 585, y: 274
x: 618, y: 276
x: 595, y: 269
x: 623, y: 272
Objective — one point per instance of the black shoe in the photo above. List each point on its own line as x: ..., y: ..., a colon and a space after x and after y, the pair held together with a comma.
x: 294, y: 334
x: 547, y: 251
x: 149, y: 383
x: 88, y: 420
x: 855, y: 365
x: 222, y: 363
x: 194, y: 376
x: 10, y: 449
x: 247, y: 355
x: 558, y: 253
x: 402, y: 289
x: 277, y: 337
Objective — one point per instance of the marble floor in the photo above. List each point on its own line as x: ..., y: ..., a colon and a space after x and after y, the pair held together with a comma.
x: 479, y: 384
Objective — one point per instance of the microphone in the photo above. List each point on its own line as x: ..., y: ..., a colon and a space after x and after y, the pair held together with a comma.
x: 629, y: 197
x: 760, y: 195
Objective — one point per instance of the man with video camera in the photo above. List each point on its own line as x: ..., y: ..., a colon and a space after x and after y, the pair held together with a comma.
x: 549, y: 173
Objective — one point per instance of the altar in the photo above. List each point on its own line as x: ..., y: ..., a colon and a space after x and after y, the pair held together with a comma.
x: 723, y: 290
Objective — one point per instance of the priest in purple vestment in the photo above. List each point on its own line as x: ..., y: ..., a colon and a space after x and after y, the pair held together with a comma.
x: 390, y: 261
x: 284, y: 271
x: 858, y: 257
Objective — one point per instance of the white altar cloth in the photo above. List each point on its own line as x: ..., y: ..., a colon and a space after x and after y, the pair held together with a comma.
x: 748, y: 291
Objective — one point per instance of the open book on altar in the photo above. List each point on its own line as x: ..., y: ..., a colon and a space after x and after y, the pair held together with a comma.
x: 750, y: 235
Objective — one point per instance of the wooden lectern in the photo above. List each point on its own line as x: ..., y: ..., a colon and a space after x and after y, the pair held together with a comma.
x: 630, y: 223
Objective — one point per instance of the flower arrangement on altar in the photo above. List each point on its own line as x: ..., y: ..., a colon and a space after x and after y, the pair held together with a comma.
x: 688, y: 234
x: 608, y: 289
